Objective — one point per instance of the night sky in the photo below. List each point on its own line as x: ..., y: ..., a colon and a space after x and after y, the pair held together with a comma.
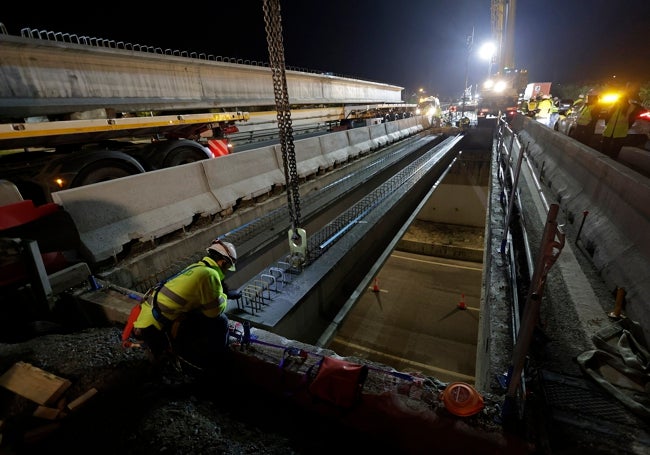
x: 410, y: 43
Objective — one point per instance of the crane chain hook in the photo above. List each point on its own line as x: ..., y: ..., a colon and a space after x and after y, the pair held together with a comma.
x: 273, y: 26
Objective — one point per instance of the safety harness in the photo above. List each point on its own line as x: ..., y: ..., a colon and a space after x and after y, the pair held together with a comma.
x: 157, y: 309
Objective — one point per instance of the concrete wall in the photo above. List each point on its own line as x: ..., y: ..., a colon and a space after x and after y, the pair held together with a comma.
x: 456, y: 204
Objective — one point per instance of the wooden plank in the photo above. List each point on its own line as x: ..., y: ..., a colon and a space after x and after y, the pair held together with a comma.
x: 47, y: 413
x: 34, y: 384
x: 75, y: 404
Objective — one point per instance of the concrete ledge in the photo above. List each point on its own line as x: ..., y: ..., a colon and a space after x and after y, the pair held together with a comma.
x: 69, y: 277
x: 439, y: 250
x: 401, y: 412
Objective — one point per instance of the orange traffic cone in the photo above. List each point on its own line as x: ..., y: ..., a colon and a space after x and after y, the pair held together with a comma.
x: 461, y: 304
x: 375, y: 286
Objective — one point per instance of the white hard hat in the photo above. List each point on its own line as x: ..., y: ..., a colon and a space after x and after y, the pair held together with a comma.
x: 226, y: 250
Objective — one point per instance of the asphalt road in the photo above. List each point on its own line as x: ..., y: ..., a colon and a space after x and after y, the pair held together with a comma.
x: 412, y: 318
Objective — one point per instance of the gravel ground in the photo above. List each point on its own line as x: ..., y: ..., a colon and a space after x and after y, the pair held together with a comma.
x: 141, y: 410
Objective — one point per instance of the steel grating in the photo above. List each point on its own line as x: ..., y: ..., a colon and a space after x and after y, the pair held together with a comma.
x: 573, y: 394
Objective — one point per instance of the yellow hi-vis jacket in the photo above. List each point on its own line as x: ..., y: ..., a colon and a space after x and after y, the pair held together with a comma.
x: 618, y: 123
x: 584, y: 117
x: 544, y: 108
x: 198, y: 287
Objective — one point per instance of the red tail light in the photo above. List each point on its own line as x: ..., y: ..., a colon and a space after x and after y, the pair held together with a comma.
x: 230, y: 129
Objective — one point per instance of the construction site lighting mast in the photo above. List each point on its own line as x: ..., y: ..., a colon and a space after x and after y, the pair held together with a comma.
x: 469, y: 44
x: 503, y: 30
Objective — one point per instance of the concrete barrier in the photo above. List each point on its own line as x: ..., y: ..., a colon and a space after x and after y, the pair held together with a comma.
x: 336, y: 147
x: 360, y: 143
x: 616, y: 198
x: 109, y: 215
x: 309, y: 157
x: 143, y: 207
x: 393, y: 131
x: 406, y: 127
x: 244, y: 175
x: 378, y: 136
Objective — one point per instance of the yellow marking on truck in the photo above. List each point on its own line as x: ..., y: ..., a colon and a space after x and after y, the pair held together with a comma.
x: 26, y: 130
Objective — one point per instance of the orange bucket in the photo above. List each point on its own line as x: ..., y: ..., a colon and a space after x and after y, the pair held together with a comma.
x: 462, y: 399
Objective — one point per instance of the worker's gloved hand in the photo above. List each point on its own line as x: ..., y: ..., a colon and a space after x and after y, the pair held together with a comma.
x: 233, y: 294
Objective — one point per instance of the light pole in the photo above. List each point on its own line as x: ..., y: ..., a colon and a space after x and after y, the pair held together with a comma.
x: 469, y: 43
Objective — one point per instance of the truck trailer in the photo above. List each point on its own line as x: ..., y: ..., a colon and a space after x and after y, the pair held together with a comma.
x: 41, y: 156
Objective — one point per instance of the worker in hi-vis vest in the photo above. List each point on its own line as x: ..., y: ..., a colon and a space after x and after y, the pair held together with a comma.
x: 586, y: 121
x: 618, y: 124
x: 184, y: 318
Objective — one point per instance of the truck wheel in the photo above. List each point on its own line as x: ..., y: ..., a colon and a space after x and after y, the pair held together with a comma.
x: 98, y: 174
x: 183, y: 155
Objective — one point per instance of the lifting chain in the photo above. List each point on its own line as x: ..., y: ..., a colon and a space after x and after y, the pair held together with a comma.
x: 273, y: 26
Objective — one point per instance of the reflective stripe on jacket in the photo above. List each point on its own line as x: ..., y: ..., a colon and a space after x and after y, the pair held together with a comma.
x: 618, y: 122
x: 198, y: 287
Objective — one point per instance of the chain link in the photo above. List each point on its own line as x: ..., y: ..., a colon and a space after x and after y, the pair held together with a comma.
x: 273, y: 27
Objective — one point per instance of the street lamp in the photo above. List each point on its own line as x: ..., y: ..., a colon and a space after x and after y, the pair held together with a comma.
x: 487, y: 52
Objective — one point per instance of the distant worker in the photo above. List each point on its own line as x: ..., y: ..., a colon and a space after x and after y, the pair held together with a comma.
x: 576, y: 105
x: 185, y: 316
x: 619, y: 120
x: 532, y: 106
x: 555, y: 112
x: 544, y: 110
x: 586, y: 121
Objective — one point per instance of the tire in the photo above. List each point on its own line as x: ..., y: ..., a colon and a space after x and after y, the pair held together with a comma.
x: 98, y: 173
x: 183, y: 155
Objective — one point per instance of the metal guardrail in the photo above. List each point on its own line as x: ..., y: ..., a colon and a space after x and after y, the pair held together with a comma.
x: 511, y: 158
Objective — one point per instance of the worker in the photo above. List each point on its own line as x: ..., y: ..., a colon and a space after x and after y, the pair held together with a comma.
x: 555, y: 112
x: 619, y: 120
x: 586, y: 120
x: 544, y: 110
x: 532, y: 106
x: 183, y: 318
